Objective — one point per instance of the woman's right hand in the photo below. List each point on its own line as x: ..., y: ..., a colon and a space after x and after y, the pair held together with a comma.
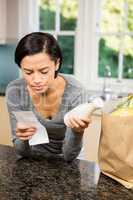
x: 25, y: 131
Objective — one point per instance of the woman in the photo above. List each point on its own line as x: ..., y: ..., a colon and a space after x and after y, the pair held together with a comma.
x: 49, y: 95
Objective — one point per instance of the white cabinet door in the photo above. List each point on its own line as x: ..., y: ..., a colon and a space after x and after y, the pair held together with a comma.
x: 12, y: 30
x: 8, y: 21
x: 17, y: 18
x: 2, y: 21
x: 91, y: 139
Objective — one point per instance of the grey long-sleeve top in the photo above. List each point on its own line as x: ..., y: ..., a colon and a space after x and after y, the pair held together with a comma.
x: 63, y: 141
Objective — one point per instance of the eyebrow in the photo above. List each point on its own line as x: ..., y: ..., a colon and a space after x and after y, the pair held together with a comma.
x: 43, y: 68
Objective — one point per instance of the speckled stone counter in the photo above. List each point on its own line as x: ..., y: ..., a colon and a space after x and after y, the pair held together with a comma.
x: 55, y: 180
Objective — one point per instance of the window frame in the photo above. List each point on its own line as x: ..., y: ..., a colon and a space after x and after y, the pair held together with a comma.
x: 58, y: 32
x: 87, y: 53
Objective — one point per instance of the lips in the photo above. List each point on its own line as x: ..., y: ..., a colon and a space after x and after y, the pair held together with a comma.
x: 37, y: 87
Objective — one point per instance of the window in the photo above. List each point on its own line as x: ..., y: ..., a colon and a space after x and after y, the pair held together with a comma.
x: 59, y: 18
x: 116, y: 39
x: 105, y: 28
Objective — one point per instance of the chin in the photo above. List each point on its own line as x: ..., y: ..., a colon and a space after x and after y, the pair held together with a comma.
x: 39, y: 91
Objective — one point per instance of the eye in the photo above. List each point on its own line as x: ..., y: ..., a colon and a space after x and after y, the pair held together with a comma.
x: 44, y: 72
x: 28, y: 73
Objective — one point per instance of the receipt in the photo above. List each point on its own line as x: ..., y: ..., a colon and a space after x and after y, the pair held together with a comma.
x: 29, y: 118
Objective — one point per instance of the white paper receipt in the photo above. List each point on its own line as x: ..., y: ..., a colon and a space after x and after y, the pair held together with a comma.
x: 29, y: 118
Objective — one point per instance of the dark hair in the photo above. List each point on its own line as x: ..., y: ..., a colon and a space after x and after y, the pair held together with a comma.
x: 38, y: 42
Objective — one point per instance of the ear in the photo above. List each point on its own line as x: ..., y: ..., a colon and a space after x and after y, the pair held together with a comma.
x: 57, y: 65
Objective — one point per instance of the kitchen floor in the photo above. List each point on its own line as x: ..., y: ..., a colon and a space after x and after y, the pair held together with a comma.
x: 5, y: 125
x: 91, y: 135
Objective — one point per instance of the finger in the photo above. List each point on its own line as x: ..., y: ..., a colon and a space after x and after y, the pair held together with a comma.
x: 32, y: 129
x: 67, y: 121
x: 78, y: 130
x: 86, y: 119
x: 24, y: 126
x: 26, y: 134
x: 23, y: 131
x: 81, y: 123
x: 78, y: 121
x: 69, y: 124
x: 73, y: 122
x: 26, y: 129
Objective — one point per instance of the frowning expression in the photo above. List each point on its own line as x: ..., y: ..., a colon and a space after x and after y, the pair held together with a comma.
x: 39, y: 71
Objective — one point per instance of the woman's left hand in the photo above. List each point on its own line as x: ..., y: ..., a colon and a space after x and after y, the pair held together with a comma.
x: 77, y: 124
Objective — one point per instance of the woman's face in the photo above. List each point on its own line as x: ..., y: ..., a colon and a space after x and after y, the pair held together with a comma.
x: 39, y: 71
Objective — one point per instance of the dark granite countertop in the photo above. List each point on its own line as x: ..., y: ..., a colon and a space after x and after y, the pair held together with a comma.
x: 55, y: 180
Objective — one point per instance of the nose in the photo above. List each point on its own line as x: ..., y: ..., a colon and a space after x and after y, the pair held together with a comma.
x: 37, y: 79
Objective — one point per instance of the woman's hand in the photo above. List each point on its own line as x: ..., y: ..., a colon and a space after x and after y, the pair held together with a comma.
x: 25, y: 131
x: 77, y: 124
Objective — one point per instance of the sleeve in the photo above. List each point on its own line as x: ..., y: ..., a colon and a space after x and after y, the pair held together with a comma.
x: 14, y: 103
x: 73, y: 141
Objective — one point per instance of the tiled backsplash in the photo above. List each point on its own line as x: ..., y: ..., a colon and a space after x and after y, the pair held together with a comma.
x: 8, y: 69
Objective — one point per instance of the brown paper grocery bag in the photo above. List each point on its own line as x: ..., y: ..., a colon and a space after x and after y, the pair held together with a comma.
x: 116, y: 148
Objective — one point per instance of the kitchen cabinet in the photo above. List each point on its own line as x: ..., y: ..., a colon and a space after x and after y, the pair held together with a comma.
x: 12, y: 22
x: 8, y: 21
x: 17, y: 18
x: 5, y: 136
x: 2, y: 21
x: 91, y: 139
